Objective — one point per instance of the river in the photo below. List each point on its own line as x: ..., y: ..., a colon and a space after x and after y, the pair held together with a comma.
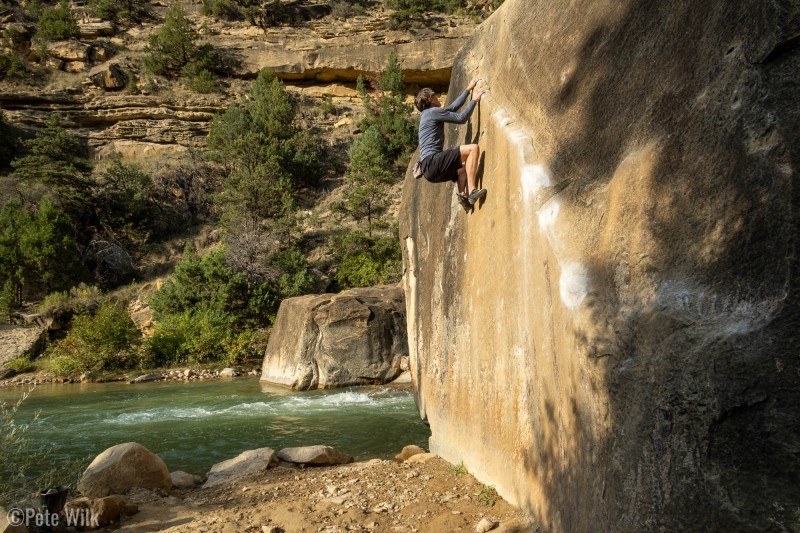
x: 194, y: 425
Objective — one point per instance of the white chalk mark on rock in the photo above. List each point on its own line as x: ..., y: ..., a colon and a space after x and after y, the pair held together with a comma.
x: 574, y: 284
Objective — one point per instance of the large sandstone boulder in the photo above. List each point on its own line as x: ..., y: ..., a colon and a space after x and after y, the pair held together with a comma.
x: 356, y: 337
x: 611, y: 338
x: 109, y: 76
x: 121, y: 467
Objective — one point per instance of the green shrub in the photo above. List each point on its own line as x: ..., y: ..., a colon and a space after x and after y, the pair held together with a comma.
x: 369, y: 260
x: 59, y: 161
x: 172, y: 47
x: 12, y: 66
x: 36, y: 247
x: 8, y: 142
x: 192, y: 336
x: 207, y: 312
x: 221, y: 9
x: 126, y: 204
x: 327, y: 106
x: 295, y: 279
x: 133, y: 11
x: 79, y: 299
x: 105, y: 341
x: 205, y: 82
x: 133, y: 81
x: 21, y: 365
x: 57, y: 23
x: 204, y: 336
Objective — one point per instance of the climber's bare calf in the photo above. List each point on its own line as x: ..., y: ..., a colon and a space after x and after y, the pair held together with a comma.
x: 468, y: 174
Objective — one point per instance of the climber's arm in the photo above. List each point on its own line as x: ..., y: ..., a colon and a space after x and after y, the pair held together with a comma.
x: 458, y: 102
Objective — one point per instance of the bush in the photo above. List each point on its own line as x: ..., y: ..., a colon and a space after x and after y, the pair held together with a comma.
x: 408, y: 13
x: 368, y: 261
x: 172, y: 47
x: 126, y: 204
x: 12, y: 66
x: 35, y: 247
x: 79, y: 299
x: 133, y: 11
x: 204, y: 82
x: 58, y: 160
x: 105, y: 341
x: 8, y: 142
x: 295, y: 279
x: 208, y: 283
x: 365, y: 183
x: 57, y: 23
x: 221, y: 9
x: 208, y: 312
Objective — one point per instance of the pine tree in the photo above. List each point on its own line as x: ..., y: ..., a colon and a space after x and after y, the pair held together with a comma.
x: 58, y: 160
x: 172, y: 47
x: 369, y: 175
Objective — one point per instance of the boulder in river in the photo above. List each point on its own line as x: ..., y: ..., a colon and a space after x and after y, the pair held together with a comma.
x: 121, y: 467
x: 314, y: 455
x: 356, y: 337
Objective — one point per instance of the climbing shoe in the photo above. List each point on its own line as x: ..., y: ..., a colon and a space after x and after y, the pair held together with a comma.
x: 463, y: 199
x: 476, y: 195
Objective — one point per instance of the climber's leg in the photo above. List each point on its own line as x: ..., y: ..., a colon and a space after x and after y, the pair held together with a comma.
x: 470, y: 154
x: 462, y: 181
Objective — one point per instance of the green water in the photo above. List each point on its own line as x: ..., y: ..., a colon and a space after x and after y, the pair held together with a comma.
x: 194, y: 425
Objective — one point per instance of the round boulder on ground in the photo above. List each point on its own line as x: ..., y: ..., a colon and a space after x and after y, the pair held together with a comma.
x: 314, y: 455
x: 408, y: 451
x: 247, y: 462
x: 121, y: 467
x: 184, y: 480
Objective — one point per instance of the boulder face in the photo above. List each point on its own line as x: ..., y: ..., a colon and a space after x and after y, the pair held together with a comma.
x: 122, y: 467
x: 356, y: 337
x: 611, y: 337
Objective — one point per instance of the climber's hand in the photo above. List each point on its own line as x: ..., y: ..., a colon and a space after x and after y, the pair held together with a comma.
x: 477, y: 95
x: 473, y: 83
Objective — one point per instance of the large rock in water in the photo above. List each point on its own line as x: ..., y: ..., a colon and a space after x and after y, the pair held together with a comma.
x: 356, y: 337
x: 612, y: 338
x: 122, y: 467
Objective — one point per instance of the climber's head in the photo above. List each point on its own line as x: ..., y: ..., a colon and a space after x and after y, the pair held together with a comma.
x: 426, y: 98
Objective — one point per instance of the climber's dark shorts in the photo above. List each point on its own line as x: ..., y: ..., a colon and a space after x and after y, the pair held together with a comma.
x: 441, y: 167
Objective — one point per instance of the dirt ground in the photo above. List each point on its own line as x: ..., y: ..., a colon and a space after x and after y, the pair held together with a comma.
x: 374, y: 496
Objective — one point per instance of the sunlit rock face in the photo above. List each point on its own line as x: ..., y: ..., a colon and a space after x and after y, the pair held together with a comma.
x: 611, y: 339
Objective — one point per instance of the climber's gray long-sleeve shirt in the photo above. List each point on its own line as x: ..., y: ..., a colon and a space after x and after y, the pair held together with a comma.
x: 431, y: 125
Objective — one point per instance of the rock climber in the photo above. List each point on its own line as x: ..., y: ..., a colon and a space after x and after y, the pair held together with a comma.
x: 459, y: 164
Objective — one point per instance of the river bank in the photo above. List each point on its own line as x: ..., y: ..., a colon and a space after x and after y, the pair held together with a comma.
x: 178, y: 374
x: 378, y: 496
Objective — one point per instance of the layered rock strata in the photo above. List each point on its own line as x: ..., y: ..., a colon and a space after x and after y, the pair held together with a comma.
x: 611, y: 338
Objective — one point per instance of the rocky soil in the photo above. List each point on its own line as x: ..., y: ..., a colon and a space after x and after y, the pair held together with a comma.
x: 374, y: 496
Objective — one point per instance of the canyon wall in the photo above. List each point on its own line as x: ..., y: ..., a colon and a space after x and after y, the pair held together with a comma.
x: 321, y: 58
x: 612, y: 338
